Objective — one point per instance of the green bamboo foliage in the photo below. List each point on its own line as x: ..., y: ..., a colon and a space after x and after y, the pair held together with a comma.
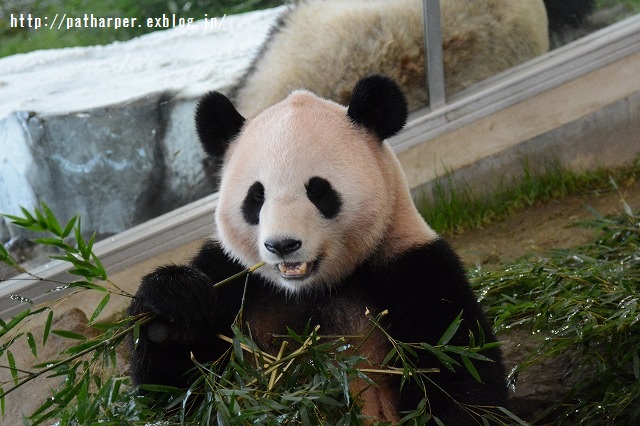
x: 582, y: 303
x: 306, y: 383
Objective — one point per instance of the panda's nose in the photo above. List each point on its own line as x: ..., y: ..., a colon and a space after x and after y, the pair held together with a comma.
x: 282, y: 247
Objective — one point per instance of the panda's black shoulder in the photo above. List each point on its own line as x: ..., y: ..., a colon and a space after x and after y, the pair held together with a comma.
x: 435, y: 272
x: 436, y: 255
x: 424, y: 289
x: 432, y: 262
x: 214, y: 262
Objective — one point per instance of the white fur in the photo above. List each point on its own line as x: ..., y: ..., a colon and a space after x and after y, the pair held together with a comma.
x: 291, y: 142
x: 325, y: 46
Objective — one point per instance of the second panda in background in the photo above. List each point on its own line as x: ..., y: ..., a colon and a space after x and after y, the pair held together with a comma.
x: 325, y: 46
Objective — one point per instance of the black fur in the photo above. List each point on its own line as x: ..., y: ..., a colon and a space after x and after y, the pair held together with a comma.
x: 423, y: 290
x: 378, y: 104
x: 567, y: 13
x: 324, y: 197
x: 283, y: 247
x: 252, y: 203
x: 217, y: 123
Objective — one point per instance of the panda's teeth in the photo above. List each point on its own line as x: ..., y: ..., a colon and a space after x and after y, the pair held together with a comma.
x: 293, y: 269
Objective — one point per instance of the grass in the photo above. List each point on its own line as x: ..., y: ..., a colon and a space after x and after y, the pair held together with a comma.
x: 453, y: 208
x: 633, y: 6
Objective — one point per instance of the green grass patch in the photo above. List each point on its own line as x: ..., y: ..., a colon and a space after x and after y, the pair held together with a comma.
x: 632, y: 6
x: 455, y: 207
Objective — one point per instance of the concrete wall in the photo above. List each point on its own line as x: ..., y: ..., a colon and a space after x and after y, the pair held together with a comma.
x: 589, y: 122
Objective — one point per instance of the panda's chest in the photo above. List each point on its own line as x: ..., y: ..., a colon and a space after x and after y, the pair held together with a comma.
x: 270, y: 314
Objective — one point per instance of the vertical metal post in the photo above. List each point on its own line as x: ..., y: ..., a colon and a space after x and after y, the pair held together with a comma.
x: 434, y: 65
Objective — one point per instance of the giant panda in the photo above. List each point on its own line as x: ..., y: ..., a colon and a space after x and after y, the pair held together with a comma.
x: 325, y: 46
x: 312, y: 189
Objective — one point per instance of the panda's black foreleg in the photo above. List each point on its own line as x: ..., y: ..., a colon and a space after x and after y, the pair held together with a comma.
x: 181, y: 303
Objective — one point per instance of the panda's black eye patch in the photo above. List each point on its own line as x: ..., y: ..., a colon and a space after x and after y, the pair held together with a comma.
x: 252, y: 203
x: 324, y: 197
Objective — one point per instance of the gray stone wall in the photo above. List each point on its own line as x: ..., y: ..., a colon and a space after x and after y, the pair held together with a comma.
x: 107, y: 131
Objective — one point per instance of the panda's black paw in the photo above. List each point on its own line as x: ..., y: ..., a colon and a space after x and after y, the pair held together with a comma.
x: 180, y: 298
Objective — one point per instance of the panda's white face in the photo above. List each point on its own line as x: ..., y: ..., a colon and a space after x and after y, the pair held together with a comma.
x: 306, y: 191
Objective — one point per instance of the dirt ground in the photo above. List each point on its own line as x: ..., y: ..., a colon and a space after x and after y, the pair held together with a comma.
x: 542, y: 227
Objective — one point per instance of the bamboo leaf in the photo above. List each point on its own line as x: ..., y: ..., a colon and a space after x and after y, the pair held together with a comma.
x: 47, y: 328
x: 87, y: 344
x: 471, y: 368
x: 12, y: 367
x: 45, y: 406
x: 69, y: 227
x: 100, y: 307
x: 14, y: 321
x: 82, y: 402
x: 92, y: 240
x: 41, y: 220
x: 513, y: 417
x: 56, y: 242
x: 438, y: 421
x: 31, y: 341
x: 69, y: 334
x: 161, y: 389
x: 102, y: 272
x: 467, y: 353
x: 23, y: 222
x: 445, y: 359
x: 83, y: 272
x: 52, y: 222
x: 393, y: 352
x: 19, y: 221
x: 9, y: 343
x: 87, y: 285
x: 5, y: 257
x: 66, y: 258
x: 451, y: 330
x: 79, y: 240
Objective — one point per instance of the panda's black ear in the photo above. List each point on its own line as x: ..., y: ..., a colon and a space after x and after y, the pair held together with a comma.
x: 378, y: 104
x: 217, y: 123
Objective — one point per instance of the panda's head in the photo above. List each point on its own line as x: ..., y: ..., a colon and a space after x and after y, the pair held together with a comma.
x: 307, y: 186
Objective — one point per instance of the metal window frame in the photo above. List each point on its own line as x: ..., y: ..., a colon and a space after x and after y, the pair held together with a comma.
x: 434, y: 63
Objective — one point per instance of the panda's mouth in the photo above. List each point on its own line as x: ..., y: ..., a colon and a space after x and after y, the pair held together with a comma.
x: 295, y: 270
